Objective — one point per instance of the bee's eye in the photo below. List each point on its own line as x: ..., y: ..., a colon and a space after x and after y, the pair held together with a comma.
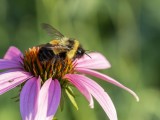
x: 79, y: 51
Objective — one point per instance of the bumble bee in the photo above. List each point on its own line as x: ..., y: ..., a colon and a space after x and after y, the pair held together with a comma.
x: 60, y: 47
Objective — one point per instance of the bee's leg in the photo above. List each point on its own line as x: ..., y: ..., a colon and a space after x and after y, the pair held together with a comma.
x: 53, y: 61
x: 61, y: 59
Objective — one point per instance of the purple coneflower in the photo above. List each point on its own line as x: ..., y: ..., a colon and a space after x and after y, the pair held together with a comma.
x: 42, y: 83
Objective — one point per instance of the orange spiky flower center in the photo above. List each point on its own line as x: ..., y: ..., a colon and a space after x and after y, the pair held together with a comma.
x: 46, y: 69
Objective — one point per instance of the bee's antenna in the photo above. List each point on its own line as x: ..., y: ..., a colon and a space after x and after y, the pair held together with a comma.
x: 87, y: 55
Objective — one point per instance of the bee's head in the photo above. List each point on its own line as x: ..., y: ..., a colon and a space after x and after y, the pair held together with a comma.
x: 80, y: 52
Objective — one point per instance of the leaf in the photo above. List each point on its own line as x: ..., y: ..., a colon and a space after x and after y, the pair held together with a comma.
x: 71, y: 96
x: 54, y: 118
x: 70, y: 91
x: 62, y: 100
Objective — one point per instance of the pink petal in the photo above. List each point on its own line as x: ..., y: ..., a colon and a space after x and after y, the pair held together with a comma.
x: 49, y: 99
x: 6, y: 64
x: 13, y: 53
x: 10, y: 75
x: 28, y: 98
x: 100, y: 95
x: 95, y: 61
x: 6, y: 86
x: 108, y: 79
x: 81, y: 88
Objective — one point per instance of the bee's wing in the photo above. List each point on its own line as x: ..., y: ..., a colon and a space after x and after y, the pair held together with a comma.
x: 52, y: 31
x: 59, y: 48
x: 54, y: 47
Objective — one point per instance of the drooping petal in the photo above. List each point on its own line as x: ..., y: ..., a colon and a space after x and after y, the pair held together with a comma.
x: 95, y: 61
x: 10, y: 75
x: 99, y: 94
x: 7, y: 64
x: 13, y: 53
x: 6, y: 86
x: 28, y: 98
x: 81, y: 88
x: 108, y: 79
x: 49, y: 99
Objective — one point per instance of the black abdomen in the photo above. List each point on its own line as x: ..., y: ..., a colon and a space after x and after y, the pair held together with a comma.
x: 45, y: 54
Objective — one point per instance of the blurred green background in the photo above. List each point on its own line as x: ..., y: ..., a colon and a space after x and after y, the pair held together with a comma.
x: 127, y: 32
